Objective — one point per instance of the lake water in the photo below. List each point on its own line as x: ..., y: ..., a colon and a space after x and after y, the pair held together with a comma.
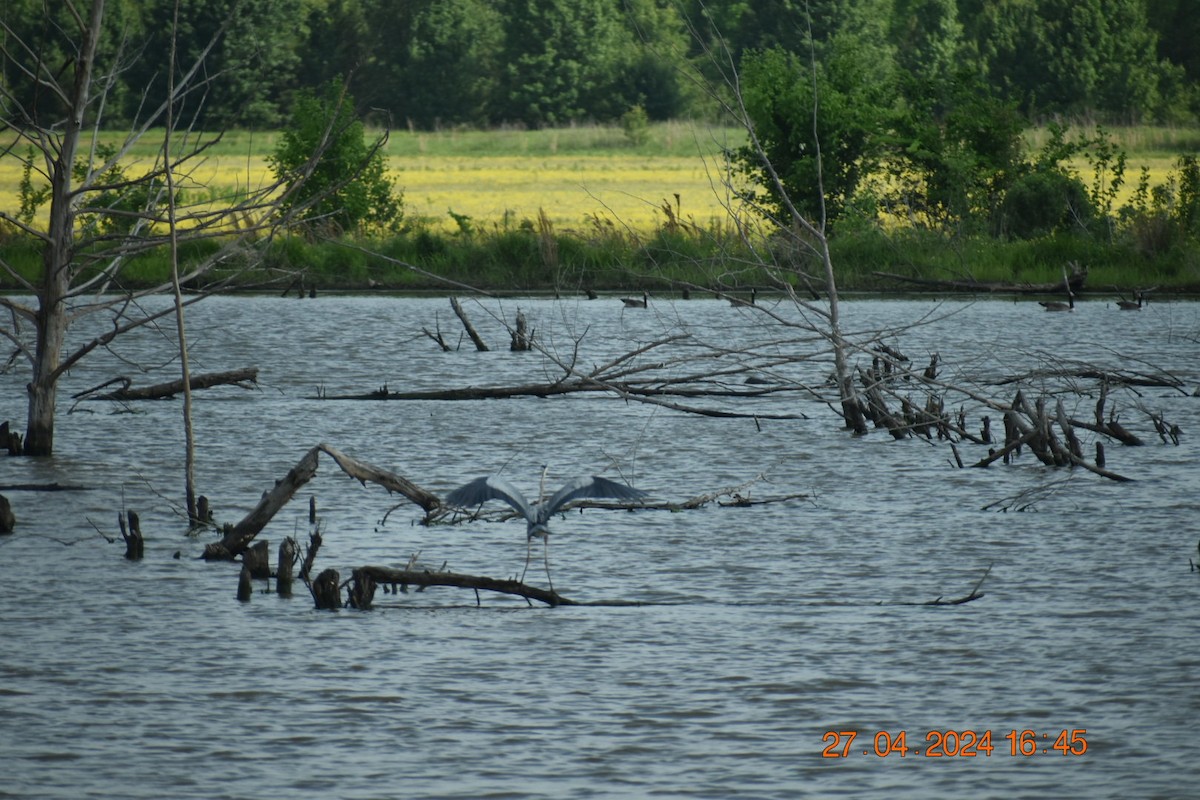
x: 762, y: 628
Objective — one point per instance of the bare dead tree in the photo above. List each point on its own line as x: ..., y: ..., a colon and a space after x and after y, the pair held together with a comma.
x: 93, y: 227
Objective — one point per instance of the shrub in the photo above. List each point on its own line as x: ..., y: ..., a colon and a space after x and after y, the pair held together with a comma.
x: 347, y: 189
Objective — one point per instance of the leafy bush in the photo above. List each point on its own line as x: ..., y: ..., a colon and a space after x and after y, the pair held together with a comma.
x: 1043, y: 201
x: 335, y: 181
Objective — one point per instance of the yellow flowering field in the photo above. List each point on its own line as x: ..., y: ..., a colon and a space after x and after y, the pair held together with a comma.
x: 502, y: 179
x: 572, y: 190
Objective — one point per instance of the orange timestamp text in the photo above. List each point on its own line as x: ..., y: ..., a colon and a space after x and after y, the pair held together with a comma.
x: 957, y: 744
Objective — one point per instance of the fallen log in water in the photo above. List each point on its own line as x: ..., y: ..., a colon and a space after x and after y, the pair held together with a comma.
x: 165, y: 391
x: 238, y: 537
x: 422, y: 578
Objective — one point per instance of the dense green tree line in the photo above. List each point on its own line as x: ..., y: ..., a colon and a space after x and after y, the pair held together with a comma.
x: 429, y: 63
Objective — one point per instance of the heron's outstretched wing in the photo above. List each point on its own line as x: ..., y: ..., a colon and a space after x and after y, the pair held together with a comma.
x: 590, y: 487
x: 490, y: 487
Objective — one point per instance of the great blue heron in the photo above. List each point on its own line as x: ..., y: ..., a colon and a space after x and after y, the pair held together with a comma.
x: 537, y: 515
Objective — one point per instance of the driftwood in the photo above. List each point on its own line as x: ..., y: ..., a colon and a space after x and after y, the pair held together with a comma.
x: 974, y: 594
x: 364, y: 473
x: 238, y: 537
x: 423, y: 578
x: 462, y: 315
x: 164, y: 391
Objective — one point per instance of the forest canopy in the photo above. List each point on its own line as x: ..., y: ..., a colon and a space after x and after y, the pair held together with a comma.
x: 427, y: 64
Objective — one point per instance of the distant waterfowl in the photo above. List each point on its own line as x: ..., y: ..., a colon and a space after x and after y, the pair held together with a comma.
x: 738, y: 301
x: 633, y: 302
x: 1131, y: 305
x: 537, y: 515
x: 1056, y: 305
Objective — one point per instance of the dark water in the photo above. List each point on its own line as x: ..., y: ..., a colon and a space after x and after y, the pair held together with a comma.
x: 764, y: 627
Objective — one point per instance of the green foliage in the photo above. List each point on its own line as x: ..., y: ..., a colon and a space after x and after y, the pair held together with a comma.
x: 114, y: 205
x: 32, y: 197
x: 952, y: 149
x: 1043, y: 201
x: 821, y: 128
x: 334, y: 180
x: 636, y: 126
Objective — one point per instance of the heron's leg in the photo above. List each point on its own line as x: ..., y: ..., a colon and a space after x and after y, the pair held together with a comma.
x: 528, y: 553
x: 546, y: 557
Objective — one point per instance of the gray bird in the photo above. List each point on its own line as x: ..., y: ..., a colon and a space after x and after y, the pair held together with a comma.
x: 537, y: 515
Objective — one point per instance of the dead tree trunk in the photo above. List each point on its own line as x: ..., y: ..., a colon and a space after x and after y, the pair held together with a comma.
x: 462, y: 315
x: 257, y: 559
x: 327, y: 591
x: 287, y: 562
x: 238, y: 538
x: 8, y: 520
x: 522, y: 340
x: 135, y: 546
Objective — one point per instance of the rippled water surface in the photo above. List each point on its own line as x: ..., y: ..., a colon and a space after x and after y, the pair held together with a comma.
x: 761, y: 628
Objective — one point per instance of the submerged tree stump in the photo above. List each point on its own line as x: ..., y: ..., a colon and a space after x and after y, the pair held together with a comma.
x: 132, y: 534
x: 362, y: 589
x: 245, y: 585
x: 10, y: 440
x: 327, y: 590
x: 522, y: 339
x: 7, y: 519
x: 257, y: 560
x: 287, y: 561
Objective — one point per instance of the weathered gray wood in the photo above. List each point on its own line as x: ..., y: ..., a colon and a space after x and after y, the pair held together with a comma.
x: 132, y: 534
x: 238, y: 538
x: 462, y: 315
x: 7, y: 519
x: 424, y: 578
x: 364, y: 472
x: 287, y: 562
x: 257, y: 558
x: 169, y: 389
x: 327, y: 590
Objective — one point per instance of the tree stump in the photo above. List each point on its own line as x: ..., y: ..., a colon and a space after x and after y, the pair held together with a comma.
x: 287, y: 560
x: 245, y: 585
x: 522, y: 339
x: 327, y: 591
x: 7, y: 520
x: 257, y: 559
x: 362, y: 590
x: 10, y: 440
x: 132, y: 534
